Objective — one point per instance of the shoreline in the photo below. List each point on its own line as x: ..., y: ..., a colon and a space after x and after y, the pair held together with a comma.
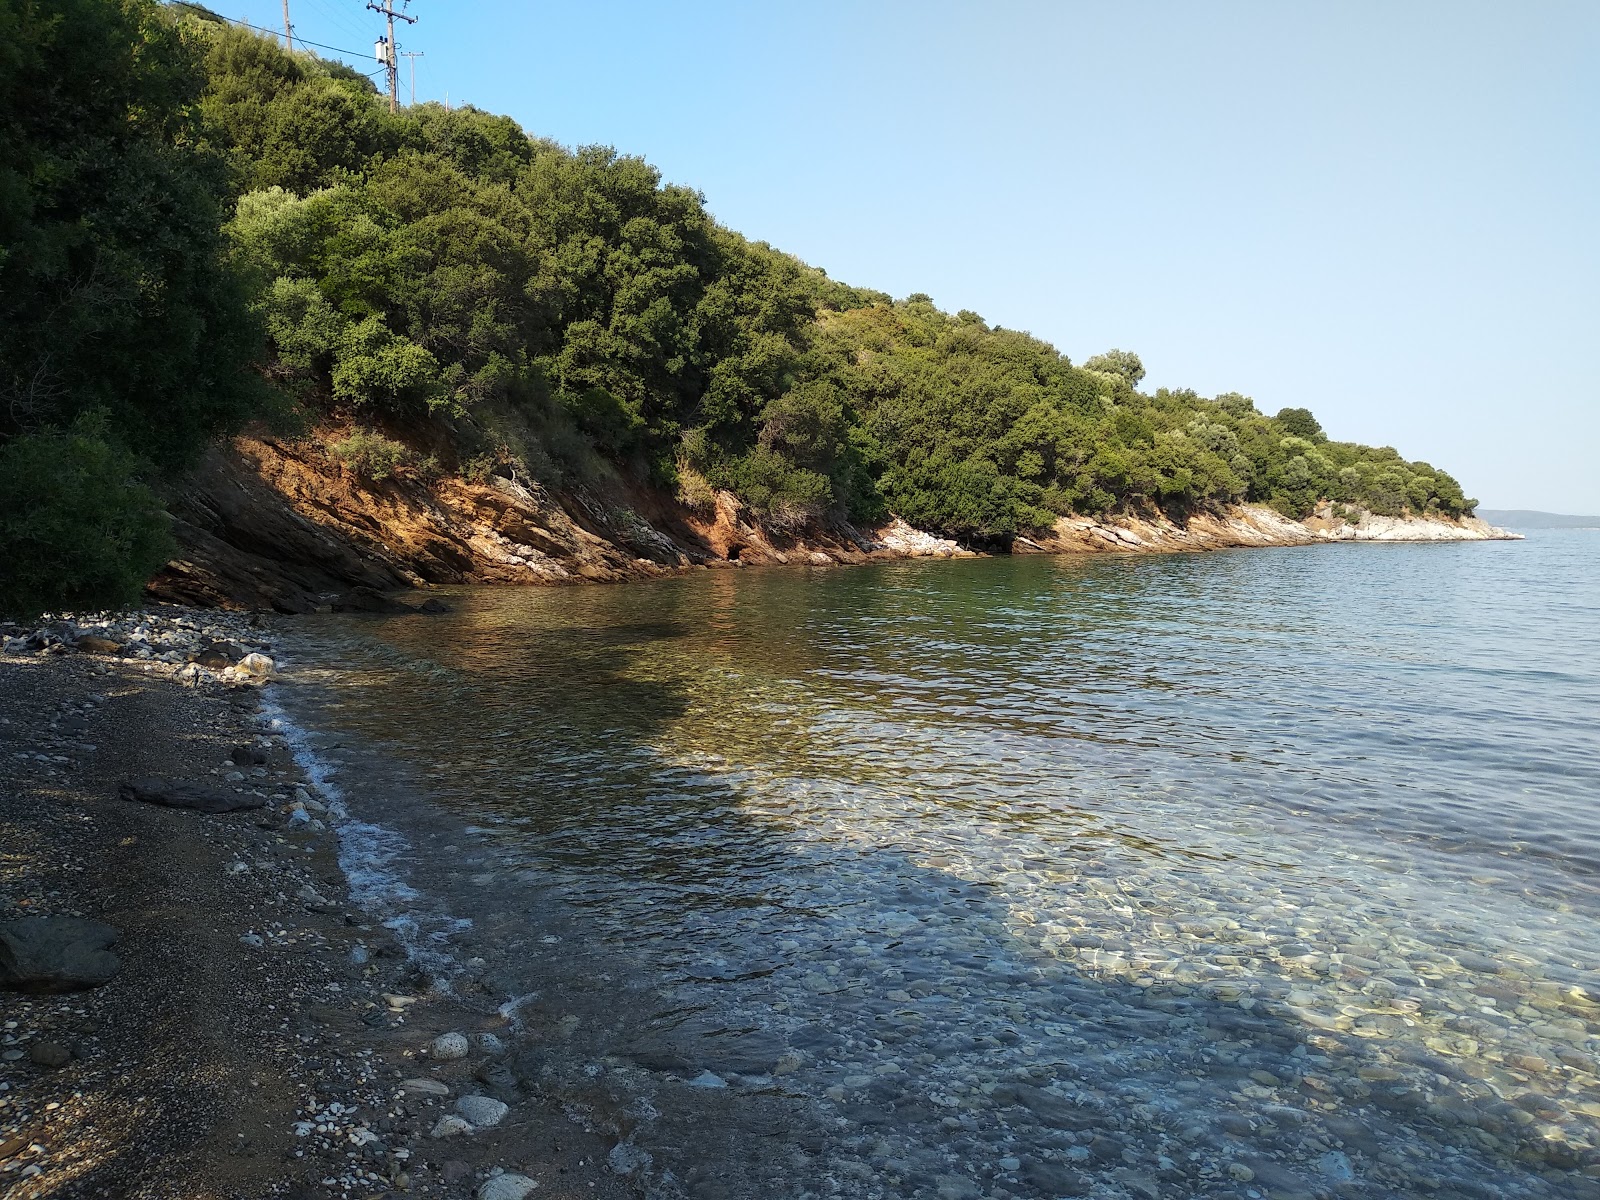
x: 263, y: 1035
x: 273, y: 525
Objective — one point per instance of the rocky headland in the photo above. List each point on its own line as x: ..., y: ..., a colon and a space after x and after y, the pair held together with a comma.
x: 272, y: 524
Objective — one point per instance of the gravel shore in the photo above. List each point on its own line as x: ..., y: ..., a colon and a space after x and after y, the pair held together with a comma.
x: 261, y: 1036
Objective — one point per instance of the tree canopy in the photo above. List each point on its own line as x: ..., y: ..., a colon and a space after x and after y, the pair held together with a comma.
x: 125, y: 338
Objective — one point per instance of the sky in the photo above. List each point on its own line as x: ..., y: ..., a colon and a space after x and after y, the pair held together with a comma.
x: 1386, y: 213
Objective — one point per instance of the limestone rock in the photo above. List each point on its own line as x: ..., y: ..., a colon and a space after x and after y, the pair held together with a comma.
x: 484, y: 1112
x: 451, y: 1126
x: 506, y: 1187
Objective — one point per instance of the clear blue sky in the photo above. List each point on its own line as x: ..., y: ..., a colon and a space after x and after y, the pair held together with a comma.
x: 1387, y: 213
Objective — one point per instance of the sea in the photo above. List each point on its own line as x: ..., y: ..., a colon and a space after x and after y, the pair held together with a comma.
x: 1255, y: 873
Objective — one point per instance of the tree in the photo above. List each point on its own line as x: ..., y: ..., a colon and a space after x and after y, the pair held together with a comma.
x: 119, y: 317
x: 1124, y: 364
x: 77, y: 528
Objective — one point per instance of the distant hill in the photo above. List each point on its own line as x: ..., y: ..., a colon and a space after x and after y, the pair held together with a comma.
x: 1522, y: 518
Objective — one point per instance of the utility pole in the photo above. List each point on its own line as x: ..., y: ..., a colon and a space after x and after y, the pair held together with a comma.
x: 288, y: 33
x: 387, y: 48
x: 413, y: 55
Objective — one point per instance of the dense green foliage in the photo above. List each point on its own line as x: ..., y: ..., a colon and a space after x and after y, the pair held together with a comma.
x: 441, y: 266
x: 118, y: 316
x: 439, y: 277
x: 77, y: 528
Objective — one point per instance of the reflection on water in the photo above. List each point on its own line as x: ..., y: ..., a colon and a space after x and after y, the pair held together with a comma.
x: 1242, y: 874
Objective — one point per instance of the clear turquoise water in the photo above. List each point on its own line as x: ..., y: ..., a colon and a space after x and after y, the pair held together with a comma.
x: 1252, y: 873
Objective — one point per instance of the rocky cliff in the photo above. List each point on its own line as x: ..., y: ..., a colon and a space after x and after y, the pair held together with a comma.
x: 276, y: 524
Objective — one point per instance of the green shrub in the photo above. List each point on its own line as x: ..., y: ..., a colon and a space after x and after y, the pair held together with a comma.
x: 375, y: 458
x: 783, y: 495
x: 77, y: 528
x: 694, y: 490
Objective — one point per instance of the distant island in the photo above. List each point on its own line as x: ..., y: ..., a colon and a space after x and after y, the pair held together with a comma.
x: 1527, y: 518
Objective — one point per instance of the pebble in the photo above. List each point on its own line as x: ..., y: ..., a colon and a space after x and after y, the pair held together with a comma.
x: 425, y: 1087
x: 450, y: 1125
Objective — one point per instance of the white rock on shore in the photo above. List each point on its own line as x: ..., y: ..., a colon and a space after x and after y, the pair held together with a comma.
x: 484, y: 1112
x: 507, y: 1187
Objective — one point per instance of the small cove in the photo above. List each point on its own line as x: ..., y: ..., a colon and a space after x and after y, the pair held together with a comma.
x: 1247, y: 873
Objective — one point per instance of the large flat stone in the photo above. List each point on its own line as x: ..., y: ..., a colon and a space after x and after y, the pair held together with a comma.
x: 188, y: 795
x: 56, y: 954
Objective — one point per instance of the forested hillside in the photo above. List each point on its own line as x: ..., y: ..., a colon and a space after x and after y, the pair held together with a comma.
x: 199, y: 228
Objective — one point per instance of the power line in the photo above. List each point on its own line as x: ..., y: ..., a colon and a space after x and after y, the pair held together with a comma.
x: 336, y: 14
x: 301, y: 40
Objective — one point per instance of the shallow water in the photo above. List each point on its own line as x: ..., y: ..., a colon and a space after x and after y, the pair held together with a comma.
x: 1244, y: 874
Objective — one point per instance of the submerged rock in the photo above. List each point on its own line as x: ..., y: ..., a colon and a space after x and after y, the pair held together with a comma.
x: 56, y: 954
x: 368, y: 600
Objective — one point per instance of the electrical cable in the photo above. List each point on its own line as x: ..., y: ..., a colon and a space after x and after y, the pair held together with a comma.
x: 299, y: 41
x: 349, y: 25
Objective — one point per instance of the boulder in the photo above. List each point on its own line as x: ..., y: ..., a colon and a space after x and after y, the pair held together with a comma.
x: 433, y: 606
x: 56, y: 954
x: 188, y: 795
